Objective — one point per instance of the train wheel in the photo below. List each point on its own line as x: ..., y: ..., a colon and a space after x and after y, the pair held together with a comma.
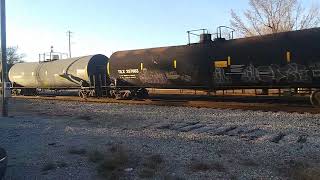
x: 92, y: 93
x: 83, y: 94
x: 142, y: 93
x: 315, y: 98
x: 14, y: 92
x: 118, y: 96
x: 112, y: 93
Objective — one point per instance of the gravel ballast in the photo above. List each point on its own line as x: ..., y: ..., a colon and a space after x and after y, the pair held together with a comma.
x: 54, y: 140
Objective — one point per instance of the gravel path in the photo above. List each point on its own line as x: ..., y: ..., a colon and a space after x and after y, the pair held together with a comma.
x: 59, y: 140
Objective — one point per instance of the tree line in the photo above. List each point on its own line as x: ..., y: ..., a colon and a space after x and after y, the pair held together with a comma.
x: 274, y: 16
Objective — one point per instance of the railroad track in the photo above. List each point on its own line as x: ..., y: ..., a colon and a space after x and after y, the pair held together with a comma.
x: 267, y: 103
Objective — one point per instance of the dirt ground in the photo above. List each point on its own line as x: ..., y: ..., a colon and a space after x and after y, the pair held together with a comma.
x: 48, y: 139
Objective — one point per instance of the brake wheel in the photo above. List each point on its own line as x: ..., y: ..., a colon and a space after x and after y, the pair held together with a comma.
x: 315, y: 98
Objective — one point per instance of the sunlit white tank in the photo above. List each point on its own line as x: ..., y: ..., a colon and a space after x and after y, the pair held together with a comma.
x: 64, y: 73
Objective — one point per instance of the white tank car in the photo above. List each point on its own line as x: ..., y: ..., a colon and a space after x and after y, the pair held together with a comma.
x: 64, y: 73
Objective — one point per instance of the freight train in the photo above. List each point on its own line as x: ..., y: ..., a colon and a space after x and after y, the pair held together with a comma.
x: 276, y: 61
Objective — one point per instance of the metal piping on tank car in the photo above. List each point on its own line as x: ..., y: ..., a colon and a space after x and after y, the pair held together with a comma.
x: 205, y: 36
x: 219, y: 32
x: 204, y: 31
x: 52, y: 56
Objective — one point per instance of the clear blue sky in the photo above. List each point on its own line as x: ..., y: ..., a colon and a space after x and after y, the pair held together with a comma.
x: 106, y: 26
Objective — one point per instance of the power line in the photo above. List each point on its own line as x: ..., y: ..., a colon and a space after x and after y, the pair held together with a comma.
x: 69, y: 33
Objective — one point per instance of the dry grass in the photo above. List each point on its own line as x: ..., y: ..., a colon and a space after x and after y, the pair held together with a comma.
x: 300, y: 170
x: 151, y: 166
x: 61, y: 164
x: 147, y: 173
x: 96, y: 156
x: 153, y: 161
x: 113, y: 162
x: 248, y: 163
x: 304, y: 172
x: 77, y: 151
x: 172, y: 177
x: 49, y: 166
x: 196, y: 166
x: 53, y: 165
x: 110, y: 164
x: 85, y: 117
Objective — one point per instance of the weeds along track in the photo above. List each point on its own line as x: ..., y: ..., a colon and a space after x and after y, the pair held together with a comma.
x: 266, y: 103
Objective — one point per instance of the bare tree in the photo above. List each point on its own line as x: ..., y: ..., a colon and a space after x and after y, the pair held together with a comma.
x: 13, y: 56
x: 273, y: 16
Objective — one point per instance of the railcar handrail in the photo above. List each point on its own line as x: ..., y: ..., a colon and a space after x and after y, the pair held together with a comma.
x: 219, y: 32
x: 204, y: 31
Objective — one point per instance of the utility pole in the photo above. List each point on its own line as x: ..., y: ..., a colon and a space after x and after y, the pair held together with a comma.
x: 4, y: 59
x: 69, y: 36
